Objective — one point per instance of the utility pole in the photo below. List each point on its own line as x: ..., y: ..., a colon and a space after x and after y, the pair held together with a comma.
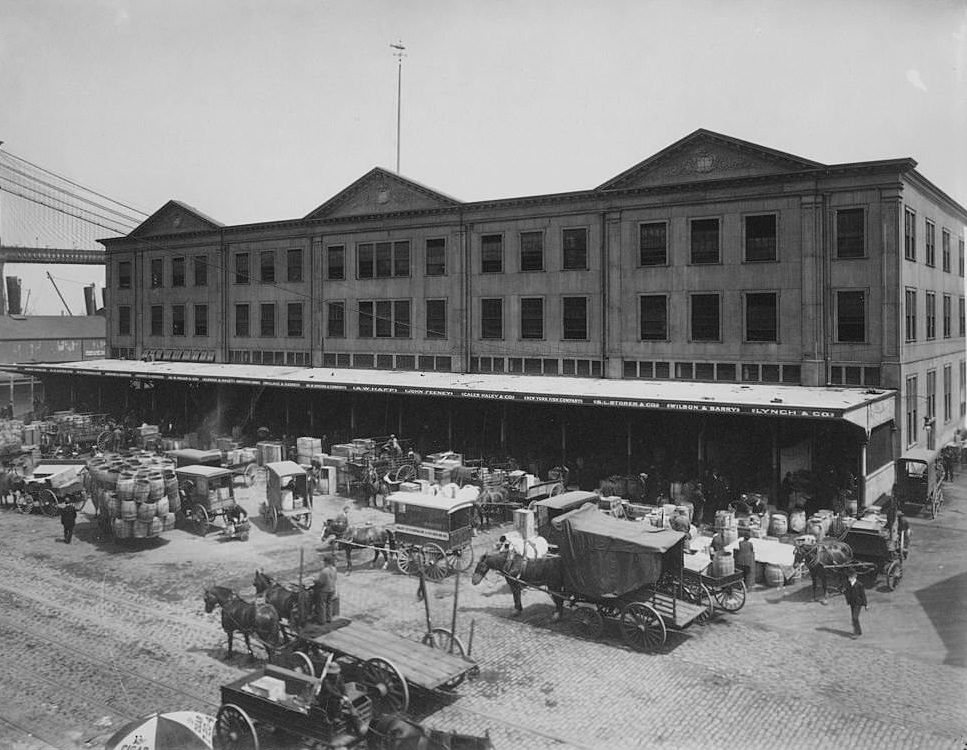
x: 399, y: 55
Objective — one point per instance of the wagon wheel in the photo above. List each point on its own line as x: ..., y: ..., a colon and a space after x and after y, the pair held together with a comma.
x: 461, y: 558
x: 200, y: 518
x: 299, y: 662
x: 303, y: 521
x: 409, y: 560
x: 641, y: 627
x: 731, y: 598
x: 406, y: 473
x: 48, y: 502
x: 78, y: 500
x: 234, y: 730
x: 249, y: 474
x: 557, y: 489
x: 435, y: 564
x: 25, y: 502
x: 698, y: 593
x: 105, y: 440
x: 893, y: 575
x: 386, y: 685
x: 936, y: 504
x: 444, y: 640
x: 589, y: 621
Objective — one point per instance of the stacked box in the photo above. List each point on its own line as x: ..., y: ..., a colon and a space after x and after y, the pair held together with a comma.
x: 344, y: 450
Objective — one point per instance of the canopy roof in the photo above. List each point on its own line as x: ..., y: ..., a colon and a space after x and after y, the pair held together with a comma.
x: 590, y: 521
x: 568, y: 499
x: 866, y: 408
x: 435, y: 502
x: 285, y: 468
x: 201, y: 470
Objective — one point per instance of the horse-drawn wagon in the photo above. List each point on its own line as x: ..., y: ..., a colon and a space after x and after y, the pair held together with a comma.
x: 608, y: 570
x: 51, y: 484
x: 209, y: 493
x: 433, y: 533
x: 919, y: 480
x: 287, y: 495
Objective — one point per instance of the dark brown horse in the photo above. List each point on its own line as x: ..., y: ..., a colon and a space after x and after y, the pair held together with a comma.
x: 291, y: 603
x: 349, y: 537
x: 817, y: 557
x: 397, y: 732
x: 244, y: 617
x: 519, y: 572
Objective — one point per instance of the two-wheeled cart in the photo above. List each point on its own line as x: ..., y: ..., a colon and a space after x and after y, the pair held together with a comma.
x: 54, y: 483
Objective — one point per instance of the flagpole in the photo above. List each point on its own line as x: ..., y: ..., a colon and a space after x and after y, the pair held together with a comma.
x: 398, y: 54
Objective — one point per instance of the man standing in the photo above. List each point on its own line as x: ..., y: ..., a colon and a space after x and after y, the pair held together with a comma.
x: 68, y: 517
x: 325, y: 589
x: 855, y: 595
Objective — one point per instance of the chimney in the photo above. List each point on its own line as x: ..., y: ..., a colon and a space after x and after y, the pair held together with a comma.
x: 13, y: 295
x: 90, y: 302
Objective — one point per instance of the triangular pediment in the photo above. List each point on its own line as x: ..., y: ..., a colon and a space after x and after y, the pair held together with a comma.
x: 705, y: 155
x: 174, y: 217
x: 381, y: 192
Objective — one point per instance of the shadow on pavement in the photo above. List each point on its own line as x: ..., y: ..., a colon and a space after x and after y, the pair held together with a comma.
x: 945, y: 603
x: 836, y: 631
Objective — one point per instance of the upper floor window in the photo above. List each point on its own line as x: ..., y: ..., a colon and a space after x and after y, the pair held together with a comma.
x: 947, y: 316
x: 124, y: 320
x: 336, y: 320
x: 653, y: 317
x: 911, y: 410
x: 761, y: 237
x: 157, y: 320
x: 124, y: 274
x: 336, y: 262
x: 704, y: 241
x: 201, y: 320
x: 705, y: 317
x: 532, y: 318
x: 909, y: 234
x: 177, y: 272
x: 910, y: 314
x: 931, y: 315
x: 850, y: 233
x: 436, y: 257
x: 575, y: 323
x: 241, y: 268
x: 267, y: 266
x: 653, y: 243
x: 384, y: 319
x: 201, y: 270
x: 492, y: 253
x: 293, y: 320
x: 575, y: 243
x: 157, y: 273
x: 930, y: 242
x: 963, y: 319
x: 177, y: 320
x: 960, y: 257
x: 267, y: 319
x: 383, y: 260
x: 761, y: 316
x: 293, y: 264
x: 436, y: 318
x: 531, y: 251
x: 242, y: 314
x: 491, y: 318
x: 851, y: 316
x: 945, y: 250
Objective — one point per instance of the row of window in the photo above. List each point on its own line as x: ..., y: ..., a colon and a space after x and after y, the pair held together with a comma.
x: 178, y: 324
x: 368, y: 361
x: 725, y: 371
x: 929, y: 243
x: 200, y: 264
x: 930, y: 316
x: 913, y: 399
x: 269, y: 357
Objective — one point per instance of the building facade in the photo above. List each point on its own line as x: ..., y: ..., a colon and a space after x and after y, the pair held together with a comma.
x: 715, y: 261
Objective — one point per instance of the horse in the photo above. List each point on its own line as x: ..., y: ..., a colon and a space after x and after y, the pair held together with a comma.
x: 518, y: 571
x: 245, y: 617
x: 818, y: 556
x: 397, y: 732
x: 293, y: 605
x: 349, y: 537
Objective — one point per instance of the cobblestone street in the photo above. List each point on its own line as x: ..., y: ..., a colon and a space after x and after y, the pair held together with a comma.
x: 94, y: 634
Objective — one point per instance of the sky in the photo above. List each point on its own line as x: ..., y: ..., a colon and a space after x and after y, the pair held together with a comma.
x: 251, y: 110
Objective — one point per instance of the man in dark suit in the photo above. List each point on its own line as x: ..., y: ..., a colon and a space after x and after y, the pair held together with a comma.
x: 855, y: 595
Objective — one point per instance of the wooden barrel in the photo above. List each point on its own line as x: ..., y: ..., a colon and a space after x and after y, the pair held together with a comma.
x: 772, y: 575
x: 162, y: 507
x: 168, y: 522
x: 685, y: 508
x: 155, y: 527
x: 112, y: 504
x: 723, y: 564
x: 837, y: 527
x: 778, y: 525
x: 171, y: 487
x: 729, y: 536
x: 679, y: 522
x: 174, y: 503
x: 125, y: 486
x: 815, y: 528
x: 140, y: 529
x: 156, y: 486
x: 725, y: 519
x: 797, y: 521
x: 122, y: 528
x: 146, y: 511
x: 142, y: 489
x: 852, y: 506
x: 129, y: 510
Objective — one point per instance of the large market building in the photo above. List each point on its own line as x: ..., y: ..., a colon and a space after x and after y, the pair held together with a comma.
x: 718, y: 305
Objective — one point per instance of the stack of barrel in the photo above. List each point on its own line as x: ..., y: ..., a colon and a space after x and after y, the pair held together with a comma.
x: 138, y: 494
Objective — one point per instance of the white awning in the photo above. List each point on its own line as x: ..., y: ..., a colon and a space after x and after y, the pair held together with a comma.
x: 864, y: 407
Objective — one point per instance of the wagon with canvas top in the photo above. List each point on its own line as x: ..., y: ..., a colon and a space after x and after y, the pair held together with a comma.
x: 627, y: 573
x: 287, y: 495
x: 433, y: 533
x: 919, y: 480
x: 53, y: 483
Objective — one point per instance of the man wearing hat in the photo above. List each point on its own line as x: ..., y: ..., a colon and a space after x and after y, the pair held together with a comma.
x: 331, y: 693
x: 68, y: 517
x: 855, y: 594
x: 324, y: 589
